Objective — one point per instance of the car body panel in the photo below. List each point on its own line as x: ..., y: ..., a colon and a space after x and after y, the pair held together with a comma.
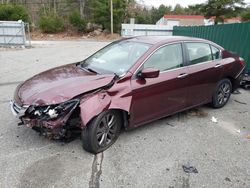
x: 202, y: 79
x: 60, y: 84
x: 117, y: 97
x: 158, y: 97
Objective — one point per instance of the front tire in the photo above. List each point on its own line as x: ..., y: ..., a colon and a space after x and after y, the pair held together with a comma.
x: 102, y: 131
x: 222, y: 93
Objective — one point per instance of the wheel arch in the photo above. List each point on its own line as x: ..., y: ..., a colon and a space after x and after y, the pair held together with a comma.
x: 233, y: 82
x: 123, y: 113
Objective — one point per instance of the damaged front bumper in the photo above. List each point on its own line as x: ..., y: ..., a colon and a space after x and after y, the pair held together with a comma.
x: 50, y: 121
x: 18, y: 110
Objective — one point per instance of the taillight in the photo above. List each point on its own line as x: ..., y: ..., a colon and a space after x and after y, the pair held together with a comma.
x: 242, y: 61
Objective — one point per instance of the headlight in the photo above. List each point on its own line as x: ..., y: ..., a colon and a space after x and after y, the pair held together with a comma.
x: 52, y: 111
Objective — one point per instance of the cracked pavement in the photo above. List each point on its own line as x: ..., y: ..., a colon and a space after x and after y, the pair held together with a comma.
x: 149, y: 156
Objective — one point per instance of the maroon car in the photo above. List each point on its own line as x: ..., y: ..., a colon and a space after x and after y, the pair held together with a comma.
x: 128, y: 83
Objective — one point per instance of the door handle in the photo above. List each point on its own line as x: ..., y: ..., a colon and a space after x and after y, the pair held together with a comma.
x: 217, y: 65
x: 183, y: 75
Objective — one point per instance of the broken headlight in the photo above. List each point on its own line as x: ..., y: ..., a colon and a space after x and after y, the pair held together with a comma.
x: 51, y: 111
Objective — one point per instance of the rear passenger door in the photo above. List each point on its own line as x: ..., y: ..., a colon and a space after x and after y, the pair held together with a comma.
x: 204, y: 71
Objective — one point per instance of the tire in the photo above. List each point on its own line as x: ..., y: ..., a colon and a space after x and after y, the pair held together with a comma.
x: 102, y: 131
x: 222, y: 93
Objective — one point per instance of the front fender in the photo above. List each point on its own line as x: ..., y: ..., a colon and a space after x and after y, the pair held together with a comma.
x: 93, y: 105
x: 117, y: 97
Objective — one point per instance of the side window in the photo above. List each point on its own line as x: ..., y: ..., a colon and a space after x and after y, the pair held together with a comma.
x: 215, y: 52
x: 199, y: 52
x: 166, y: 58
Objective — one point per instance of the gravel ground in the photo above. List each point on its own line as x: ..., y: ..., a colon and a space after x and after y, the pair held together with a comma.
x: 149, y: 156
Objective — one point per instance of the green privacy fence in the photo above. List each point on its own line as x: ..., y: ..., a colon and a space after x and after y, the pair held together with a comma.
x: 233, y: 37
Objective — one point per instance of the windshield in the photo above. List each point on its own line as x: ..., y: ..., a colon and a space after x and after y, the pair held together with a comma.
x: 116, y: 58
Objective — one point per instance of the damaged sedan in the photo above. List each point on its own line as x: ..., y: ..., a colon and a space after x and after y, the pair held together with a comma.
x: 128, y: 83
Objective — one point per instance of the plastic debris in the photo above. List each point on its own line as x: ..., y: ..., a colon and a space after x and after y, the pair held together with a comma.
x: 214, y: 120
x: 245, y: 83
x: 236, y: 92
x: 189, y: 169
x: 238, y: 130
x: 248, y: 136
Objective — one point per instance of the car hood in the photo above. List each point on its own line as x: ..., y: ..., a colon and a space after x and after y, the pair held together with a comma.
x: 60, y: 84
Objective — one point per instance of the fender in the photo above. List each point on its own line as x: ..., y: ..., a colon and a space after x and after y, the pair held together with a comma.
x: 117, y: 97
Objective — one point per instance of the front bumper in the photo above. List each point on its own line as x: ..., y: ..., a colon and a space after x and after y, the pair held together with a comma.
x: 18, y: 110
x: 53, y: 129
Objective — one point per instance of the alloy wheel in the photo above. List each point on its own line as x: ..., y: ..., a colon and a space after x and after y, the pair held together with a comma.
x: 106, y: 130
x: 223, y: 93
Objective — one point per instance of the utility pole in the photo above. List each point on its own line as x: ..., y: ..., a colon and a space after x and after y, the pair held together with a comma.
x: 81, y: 8
x: 54, y: 6
x: 111, y: 16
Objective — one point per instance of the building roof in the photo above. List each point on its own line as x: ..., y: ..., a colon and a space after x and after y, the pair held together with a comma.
x: 194, y: 17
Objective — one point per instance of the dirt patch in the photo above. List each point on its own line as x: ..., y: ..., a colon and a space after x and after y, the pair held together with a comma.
x: 70, y: 35
x: 197, y: 112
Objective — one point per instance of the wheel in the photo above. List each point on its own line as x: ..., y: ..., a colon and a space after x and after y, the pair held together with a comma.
x: 102, y: 131
x: 222, y: 93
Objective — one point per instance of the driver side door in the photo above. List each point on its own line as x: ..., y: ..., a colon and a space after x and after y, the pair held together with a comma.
x: 153, y: 98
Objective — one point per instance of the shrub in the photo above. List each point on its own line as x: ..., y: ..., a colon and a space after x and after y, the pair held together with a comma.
x: 76, y: 21
x: 245, y: 16
x: 9, y: 12
x: 51, y: 24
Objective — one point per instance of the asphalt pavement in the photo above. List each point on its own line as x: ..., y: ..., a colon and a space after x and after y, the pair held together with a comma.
x: 152, y: 155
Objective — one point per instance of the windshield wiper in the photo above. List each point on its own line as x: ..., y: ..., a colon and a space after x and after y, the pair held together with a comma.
x: 91, y: 70
x: 88, y: 69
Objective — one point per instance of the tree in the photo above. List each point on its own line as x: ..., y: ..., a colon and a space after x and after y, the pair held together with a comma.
x: 156, y: 14
x: 178, y: 9
x: 193, y: 9
x: 221, y: 9
x: 245, y: 16
x: 11, y: 12
x: 100, y: 12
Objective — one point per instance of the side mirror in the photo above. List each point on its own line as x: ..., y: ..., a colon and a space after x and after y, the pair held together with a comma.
x: 149, y: 73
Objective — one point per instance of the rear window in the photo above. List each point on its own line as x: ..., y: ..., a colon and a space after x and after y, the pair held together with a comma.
x: 199, y: 52
x: 215, y: 52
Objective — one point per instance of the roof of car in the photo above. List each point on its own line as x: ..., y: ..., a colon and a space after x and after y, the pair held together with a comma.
x: 165, y: 39
x: 160, y: 39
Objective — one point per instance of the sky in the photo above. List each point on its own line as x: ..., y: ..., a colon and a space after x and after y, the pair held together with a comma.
x: 184, y: 3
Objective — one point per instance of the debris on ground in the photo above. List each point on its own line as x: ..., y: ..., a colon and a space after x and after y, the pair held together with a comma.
x: 171, y: 125
x: 248, y: 136
x: 245, y: 83
x: 189, y: 169
x: 214, y: 120
x: 227, y: 179
x: 236, y: 92
x: 243, y: 112
x: 238, y: 130
x: 240, y: 102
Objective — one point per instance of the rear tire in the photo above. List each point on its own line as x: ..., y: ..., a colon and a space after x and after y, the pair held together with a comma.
x: 222, y: 93
x: 102, y: 131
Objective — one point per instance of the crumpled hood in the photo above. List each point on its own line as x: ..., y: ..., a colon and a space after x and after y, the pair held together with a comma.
x: 59, y: 84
